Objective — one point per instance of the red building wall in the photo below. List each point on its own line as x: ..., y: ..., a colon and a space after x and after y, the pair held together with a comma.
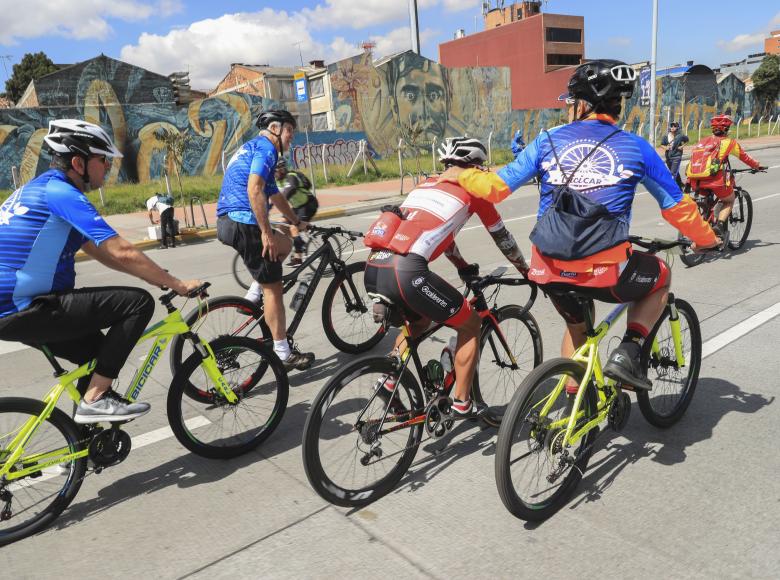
x: 521, y: 46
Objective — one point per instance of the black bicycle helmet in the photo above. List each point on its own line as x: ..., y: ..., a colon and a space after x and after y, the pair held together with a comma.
x: 462, y: 151
x: 267, y: 117
x: 598, y: 81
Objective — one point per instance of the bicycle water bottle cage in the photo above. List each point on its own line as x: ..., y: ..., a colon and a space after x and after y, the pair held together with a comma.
x: 435, y: 373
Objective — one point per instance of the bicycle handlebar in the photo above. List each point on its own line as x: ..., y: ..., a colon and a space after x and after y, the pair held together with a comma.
x: 655, y: 245
x: 199, y: 292
x: 749, y: 169
x: 335, y: 230
x: 479, y: 283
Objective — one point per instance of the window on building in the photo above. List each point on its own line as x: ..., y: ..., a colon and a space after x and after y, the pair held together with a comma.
x: 564, y: 34
x: 286, y: 91
x: 317, y: 87
x: 563, y: 59
x: 319, y: 122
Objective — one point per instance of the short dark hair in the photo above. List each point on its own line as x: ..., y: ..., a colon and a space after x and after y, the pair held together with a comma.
x: 60, y: 162
x: 611, y: 107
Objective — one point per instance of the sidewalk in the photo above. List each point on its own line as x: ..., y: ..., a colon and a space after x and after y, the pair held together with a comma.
x: 334, y: 202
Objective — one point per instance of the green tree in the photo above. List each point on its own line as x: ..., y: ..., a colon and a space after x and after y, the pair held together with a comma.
x: 766, y: 84
x: 32, y: 66
x: 175, y: 143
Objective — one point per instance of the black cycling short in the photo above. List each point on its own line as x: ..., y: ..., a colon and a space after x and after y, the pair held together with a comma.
x: 644, y: 274
x: 246, y: 240
x: 408, y: 283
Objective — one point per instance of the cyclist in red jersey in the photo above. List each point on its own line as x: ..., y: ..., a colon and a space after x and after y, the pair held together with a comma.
x: 721, y: 183
x: 431, y: 216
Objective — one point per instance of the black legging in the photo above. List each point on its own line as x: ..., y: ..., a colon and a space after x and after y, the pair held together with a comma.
x: 166, y: 226
x: 70, y: 325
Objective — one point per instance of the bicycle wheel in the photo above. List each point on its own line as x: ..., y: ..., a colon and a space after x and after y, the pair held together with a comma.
x: 223, y: 316
x: 740, y: 220
x: 689, y: 258
x: 240, y: 273
x: 673, y: 385
x: 496, y: 379
x: 216, y: 428
x: 347, y: 461
x: 534, y: 474
x: 30, y: 504
x: 347, y: 315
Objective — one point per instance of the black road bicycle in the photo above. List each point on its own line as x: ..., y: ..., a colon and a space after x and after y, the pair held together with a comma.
x: 347, y: 319
x: 360, y: 439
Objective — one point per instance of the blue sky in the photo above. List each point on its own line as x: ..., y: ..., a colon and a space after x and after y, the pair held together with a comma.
x: 204, y: 37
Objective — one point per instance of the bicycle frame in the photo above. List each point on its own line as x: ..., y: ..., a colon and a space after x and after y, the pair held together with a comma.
x: 172, y: 325
x: 411, y: 353
x: 588, y: 354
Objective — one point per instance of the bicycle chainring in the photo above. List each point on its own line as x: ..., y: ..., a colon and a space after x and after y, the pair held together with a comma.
x: 619, y: 412
x: 438, y: 418
x: 109, y: 447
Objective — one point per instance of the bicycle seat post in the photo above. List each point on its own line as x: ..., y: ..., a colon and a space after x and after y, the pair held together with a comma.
x: 58, y: 370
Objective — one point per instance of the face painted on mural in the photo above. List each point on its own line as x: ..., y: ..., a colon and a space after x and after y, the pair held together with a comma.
x: 420, y: 99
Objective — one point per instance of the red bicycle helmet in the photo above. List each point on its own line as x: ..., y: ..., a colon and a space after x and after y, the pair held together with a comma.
x: 721, y: 122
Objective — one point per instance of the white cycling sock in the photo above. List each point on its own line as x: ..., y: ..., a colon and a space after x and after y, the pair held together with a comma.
x: 282, y: 349
x: 255, y: 292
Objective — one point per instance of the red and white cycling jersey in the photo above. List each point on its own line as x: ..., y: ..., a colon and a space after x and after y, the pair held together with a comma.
x: 434, y: 214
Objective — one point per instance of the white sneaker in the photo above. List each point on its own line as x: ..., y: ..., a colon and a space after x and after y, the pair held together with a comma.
x: 255, y: 293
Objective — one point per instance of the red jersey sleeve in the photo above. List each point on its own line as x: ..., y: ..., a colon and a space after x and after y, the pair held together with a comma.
x: 487, y: 213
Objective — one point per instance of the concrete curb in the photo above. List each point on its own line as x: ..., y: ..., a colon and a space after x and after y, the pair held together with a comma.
x: 192, y: 235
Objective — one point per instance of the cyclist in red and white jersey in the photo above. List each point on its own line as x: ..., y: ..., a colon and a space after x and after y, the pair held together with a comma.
x: 419, y: 231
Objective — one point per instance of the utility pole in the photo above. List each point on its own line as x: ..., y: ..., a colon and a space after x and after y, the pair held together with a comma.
x: 652, y: 72
x: 6, y: 58
x: 300, y: 54
x: 414, y: 26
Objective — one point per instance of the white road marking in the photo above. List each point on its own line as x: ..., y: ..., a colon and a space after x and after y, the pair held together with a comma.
x: 739, y: 330
x: 766, y: 197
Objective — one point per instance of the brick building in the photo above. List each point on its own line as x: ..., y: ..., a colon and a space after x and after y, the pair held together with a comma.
x: 772, y: 44
x: 540, y: 50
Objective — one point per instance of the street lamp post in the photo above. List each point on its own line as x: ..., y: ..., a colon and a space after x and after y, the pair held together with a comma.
x: 652, y: 73
x: 414, y: 26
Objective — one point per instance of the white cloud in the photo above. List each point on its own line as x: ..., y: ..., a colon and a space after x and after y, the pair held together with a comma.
x: 397, y: 40
x: 363, y: 13
x: 78, y: 19
x: 458, y: 5
x: 741, y: 42
x: 207, y: 47
x: 619, y: 40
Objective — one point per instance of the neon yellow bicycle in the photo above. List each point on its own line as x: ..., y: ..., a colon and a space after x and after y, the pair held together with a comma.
x: 551, y: 425
x: 226, y: 399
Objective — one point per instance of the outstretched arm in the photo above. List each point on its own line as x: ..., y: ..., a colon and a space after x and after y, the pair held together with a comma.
x: 505, y: 242
x: 453, y: 255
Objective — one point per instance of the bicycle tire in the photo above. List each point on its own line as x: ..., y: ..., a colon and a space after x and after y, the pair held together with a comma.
x: 227, y: 350
x: 364, y: 319
x: 743, y: 206
x: 225, y: 324
x: 487, y: 360
x: 319, y: 419
x: 240, y: 273
x: 60, y: 499
x: 516, y: 415
x: 650, y: 401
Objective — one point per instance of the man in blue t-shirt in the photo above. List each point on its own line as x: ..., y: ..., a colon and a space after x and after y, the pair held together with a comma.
x: 42, y: 226
x: 248, y: 191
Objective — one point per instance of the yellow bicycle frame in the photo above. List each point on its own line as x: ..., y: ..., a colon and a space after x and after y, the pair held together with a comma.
x: 588, y: 355
x: 172, y: 325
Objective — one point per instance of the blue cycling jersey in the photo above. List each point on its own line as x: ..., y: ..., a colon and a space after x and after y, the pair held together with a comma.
x: 610, y: 176
x: 42, y: 226
x: 258, y: 157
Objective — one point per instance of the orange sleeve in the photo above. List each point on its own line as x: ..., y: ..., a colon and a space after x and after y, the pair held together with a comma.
x: 484, y: 184
x: 685, y: 217
x: 738, y: 151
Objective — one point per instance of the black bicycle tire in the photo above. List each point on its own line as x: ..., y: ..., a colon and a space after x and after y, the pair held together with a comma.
x: 177, y: 342
x: 238, y: 263
x: 643, y: 397
x: 71, y: 431
x: 748, y: 221
x: 504, y: 313
x: 327, y: 322
x: 181, y: 380
x: 312, y: 464
x: 506, y: 433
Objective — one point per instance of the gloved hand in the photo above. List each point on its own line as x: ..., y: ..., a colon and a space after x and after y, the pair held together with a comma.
x: 760, y: 168
x: 468, y: 272
x: 517, y: 143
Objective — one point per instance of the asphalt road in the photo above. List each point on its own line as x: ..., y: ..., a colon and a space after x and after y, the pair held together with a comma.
x: 700, y: 500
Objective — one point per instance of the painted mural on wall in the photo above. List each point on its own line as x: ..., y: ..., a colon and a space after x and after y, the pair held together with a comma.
x: 333, y: 147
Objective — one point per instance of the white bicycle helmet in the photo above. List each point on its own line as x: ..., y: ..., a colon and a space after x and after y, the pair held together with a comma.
x: 77, y: 137
x: 462, y: 151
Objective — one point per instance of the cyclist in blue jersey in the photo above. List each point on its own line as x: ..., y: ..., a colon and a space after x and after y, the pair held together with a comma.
x: 590, y: 170
x: 42, y: 226
x: 248, y: 191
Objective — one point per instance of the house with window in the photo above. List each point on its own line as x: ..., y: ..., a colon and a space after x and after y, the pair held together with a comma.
x: 540, y: 50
